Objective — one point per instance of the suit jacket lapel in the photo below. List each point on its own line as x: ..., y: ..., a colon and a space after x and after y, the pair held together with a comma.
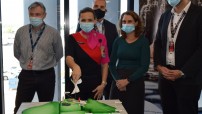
x: 105, y: 27
x: 165, y: 26
x: 185, y: 22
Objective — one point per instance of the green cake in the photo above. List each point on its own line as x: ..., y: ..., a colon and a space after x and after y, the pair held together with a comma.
x: 94, y: 106
x: 49, y: 108
x: 71, y: 106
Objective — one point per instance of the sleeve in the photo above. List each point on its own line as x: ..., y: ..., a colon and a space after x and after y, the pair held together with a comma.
x: 113, y: 60
x: 106, y: 58
x: 158, y: 45
x: 194, y: 64
x: 16, y: 47
x: 58, y: 48
x: 144, y: 61
x: 69, y: 49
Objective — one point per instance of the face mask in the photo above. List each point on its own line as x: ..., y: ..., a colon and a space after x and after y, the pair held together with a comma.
x: 128, y: 28
x: 173, y: 3
x: 35, y: 21
x: 99, y: 13
x: 86, y: 27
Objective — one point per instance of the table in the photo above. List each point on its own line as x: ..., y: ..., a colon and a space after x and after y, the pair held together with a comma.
x: 115, y: 103
x: 149, y: 107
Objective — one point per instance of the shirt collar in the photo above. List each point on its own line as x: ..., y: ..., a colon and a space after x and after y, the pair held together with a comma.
x: 184, y: 10
x: 39, y: 30
x: 100, y: 23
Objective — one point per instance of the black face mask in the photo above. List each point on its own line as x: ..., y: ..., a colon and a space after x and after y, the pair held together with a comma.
x: 99, y: 13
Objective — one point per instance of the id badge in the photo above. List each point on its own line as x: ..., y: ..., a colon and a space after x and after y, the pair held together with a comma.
x: 171, y: 46
x: 30, y: 63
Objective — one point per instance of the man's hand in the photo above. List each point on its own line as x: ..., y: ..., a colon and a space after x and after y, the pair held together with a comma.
x: 176, y: 74
x: 169, y: 74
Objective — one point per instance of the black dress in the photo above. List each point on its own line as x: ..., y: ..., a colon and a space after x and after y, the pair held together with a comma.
x: 89, y: 61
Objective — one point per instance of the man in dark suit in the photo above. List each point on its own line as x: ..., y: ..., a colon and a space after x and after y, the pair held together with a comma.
x: 177, y: 56
x: 108, y: 29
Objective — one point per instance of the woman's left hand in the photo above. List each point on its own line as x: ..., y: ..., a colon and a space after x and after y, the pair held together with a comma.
x: 99, y: 91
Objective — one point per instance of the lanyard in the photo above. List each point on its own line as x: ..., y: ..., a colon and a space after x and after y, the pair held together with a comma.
x: 30, y: 35
x: 173, y: 30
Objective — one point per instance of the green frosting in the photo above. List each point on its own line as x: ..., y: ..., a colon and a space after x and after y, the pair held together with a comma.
x: 94, y: 106
x: 75, y: 112
x: 71, y: 106
x: 49, y: 108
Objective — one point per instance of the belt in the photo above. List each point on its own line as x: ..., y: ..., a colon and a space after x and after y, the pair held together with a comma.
x: 38, y: 71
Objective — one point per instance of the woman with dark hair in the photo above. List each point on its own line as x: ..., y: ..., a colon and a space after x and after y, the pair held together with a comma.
x: 87, y: 56
x: 129, y: 61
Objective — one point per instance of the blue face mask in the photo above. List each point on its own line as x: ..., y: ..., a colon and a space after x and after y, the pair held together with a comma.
x: 128, y: 28
x: 35, y: 21
x: 173, y: 3
x: 86, y: 27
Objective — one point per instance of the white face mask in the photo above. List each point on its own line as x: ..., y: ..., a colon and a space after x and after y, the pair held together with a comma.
x: 35, y: 21
x: 173, y: 3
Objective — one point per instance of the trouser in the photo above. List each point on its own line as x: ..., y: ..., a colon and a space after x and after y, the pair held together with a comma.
x: 178, y: 98
x: 133, y: 98
x: 30, y: 81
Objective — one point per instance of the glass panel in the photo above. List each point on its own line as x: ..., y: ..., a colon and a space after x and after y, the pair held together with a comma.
x: 62, y: 83
x: 11, y: 21
x: 1, y: 71
x: 123, y: 6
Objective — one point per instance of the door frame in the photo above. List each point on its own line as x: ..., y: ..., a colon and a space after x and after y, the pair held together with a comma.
x: 2, y: 105
x: 66, y: 34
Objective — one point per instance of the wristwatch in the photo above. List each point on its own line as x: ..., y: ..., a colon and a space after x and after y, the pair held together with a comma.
x: 104, y: 83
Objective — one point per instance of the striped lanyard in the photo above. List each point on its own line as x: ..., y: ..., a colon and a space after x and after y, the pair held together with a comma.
x: 33, y: 44
x: 173, y: 31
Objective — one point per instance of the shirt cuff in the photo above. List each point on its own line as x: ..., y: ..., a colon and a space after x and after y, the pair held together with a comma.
x: 182, y: 74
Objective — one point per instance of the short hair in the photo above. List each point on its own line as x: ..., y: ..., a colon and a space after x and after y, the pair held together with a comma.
x: 87, y: 9
x: 101, y: 0
x: 138, y: 29
x: 36, y: 4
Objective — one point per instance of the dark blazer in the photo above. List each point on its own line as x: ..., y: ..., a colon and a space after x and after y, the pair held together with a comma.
x: 110, y: 33
x: 188, y: 46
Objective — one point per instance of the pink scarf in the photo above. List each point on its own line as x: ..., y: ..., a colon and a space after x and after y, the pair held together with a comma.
x: 92, y: 40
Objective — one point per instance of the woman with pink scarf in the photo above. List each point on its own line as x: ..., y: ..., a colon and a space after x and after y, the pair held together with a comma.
x: 87, y: 56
